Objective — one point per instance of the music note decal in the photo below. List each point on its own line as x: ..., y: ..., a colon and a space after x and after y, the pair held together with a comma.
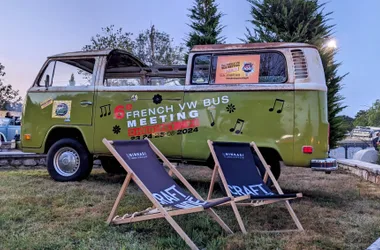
x: 104, y: 109
x: 274, y: 104
x: 212, y: 118
x: 239, y: 122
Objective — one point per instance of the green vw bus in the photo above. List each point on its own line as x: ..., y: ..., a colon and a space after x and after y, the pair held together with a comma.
x: 270, y: 93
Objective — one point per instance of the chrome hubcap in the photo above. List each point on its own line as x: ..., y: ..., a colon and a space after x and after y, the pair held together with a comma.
x: 66, y: 161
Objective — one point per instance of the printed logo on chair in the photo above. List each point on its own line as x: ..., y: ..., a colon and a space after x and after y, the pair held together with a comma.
x: 173, y: 196
x: 137, y: 155
x: 257, y: 189
x: 233, y: 156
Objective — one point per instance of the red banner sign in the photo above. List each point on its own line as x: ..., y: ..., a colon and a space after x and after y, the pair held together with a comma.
x: 165, y: 127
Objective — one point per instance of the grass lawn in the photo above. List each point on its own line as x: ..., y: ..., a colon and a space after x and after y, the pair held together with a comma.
x: 338, y: 211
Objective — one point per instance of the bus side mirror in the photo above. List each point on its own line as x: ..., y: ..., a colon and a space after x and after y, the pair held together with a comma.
x: 47, y: 81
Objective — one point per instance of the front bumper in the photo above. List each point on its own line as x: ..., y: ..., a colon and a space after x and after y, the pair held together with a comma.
x: 327, y: 164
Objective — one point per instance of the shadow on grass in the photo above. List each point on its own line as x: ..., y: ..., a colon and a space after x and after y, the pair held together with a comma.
x: 330, y: 199
x: 119, y: 179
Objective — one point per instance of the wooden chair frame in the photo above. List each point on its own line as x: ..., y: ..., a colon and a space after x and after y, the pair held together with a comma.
x: 160, y: 211
x: 234, y: 204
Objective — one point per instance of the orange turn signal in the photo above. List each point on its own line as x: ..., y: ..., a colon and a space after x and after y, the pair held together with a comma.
x: 27, y: 136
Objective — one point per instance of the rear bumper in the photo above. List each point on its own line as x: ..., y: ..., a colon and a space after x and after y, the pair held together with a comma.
x: 327, y: 164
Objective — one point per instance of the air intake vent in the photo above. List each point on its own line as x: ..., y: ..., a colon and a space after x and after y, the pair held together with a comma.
x: 300, y: 66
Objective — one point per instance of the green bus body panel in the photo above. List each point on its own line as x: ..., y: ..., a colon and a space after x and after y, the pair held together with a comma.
x: 107, y: 125
x: 311, y: 126
x: 244, y: 117
x: 38, y: 121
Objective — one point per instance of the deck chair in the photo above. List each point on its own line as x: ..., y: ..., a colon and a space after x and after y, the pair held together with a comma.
x: 234, y: 161
x: 139, y: 159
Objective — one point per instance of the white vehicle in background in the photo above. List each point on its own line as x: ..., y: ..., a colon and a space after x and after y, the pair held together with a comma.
x: 361, y: 132
x: 374, y: 132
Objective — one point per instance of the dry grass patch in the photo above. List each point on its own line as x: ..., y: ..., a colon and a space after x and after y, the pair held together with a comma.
x: 338, y: 211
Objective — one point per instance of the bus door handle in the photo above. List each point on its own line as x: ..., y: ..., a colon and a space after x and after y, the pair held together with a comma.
x: 85, y: 103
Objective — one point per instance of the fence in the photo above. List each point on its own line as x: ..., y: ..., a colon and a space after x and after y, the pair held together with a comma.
x: 347, y: 149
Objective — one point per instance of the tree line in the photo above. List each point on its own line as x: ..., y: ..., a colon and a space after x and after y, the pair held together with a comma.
x: 9, y: 97
x: 271, y: 21
x: 366, y: 118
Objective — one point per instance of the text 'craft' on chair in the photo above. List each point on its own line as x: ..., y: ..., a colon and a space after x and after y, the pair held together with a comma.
x: 235, y: 164
x: 139, y: 159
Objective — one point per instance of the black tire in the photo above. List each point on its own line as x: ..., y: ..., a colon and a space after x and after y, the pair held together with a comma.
x: 111, y: 165
x: 73, y: 154
x: 261, y: 169
x: 274, y: 164
x: 221, y: 186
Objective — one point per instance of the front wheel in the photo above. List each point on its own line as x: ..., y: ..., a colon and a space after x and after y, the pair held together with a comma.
x: 69, y: 160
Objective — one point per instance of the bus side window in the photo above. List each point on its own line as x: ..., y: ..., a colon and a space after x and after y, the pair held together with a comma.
x: 122, y: 71
x: 73, y: 73
x: 201, y: 69
x: 272, y: 68
x: 47, y: 72
x: 165, y: 81
x: 122, y: 81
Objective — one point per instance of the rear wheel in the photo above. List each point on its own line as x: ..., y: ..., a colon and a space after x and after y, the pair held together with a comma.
x: 69, y: 160
x: 274, y: 164
x: 111, y: 165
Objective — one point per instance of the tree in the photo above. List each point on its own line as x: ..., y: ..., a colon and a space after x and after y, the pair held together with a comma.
x: 301, y: 21
x: 374, y: 114
x: 205, y: 25
x: 334, y: 99
x: 156, y: 47
x: 361, y: 118
x: 347, y: 123
x: 151, y: 46
x: 8, y: 96
x: 369, y: 117
x: 111, y: 39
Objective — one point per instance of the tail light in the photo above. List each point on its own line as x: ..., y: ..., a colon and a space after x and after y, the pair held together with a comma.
x: 307, y: 149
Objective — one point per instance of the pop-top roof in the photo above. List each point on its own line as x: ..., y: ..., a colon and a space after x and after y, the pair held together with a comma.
x: 247, y: 46
x: 105, y: 52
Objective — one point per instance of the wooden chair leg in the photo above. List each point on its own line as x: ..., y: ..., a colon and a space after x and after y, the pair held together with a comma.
x: 294, y: 216
x: 238, y: 217
x: 266, y: 175
x: 118, y: 199
x: 180, y: 231
x: 219, y: 220
x: 212, y: 183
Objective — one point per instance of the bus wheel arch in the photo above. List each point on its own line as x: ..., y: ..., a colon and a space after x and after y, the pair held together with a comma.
x: 58, y: 133
x: 62, y: 146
